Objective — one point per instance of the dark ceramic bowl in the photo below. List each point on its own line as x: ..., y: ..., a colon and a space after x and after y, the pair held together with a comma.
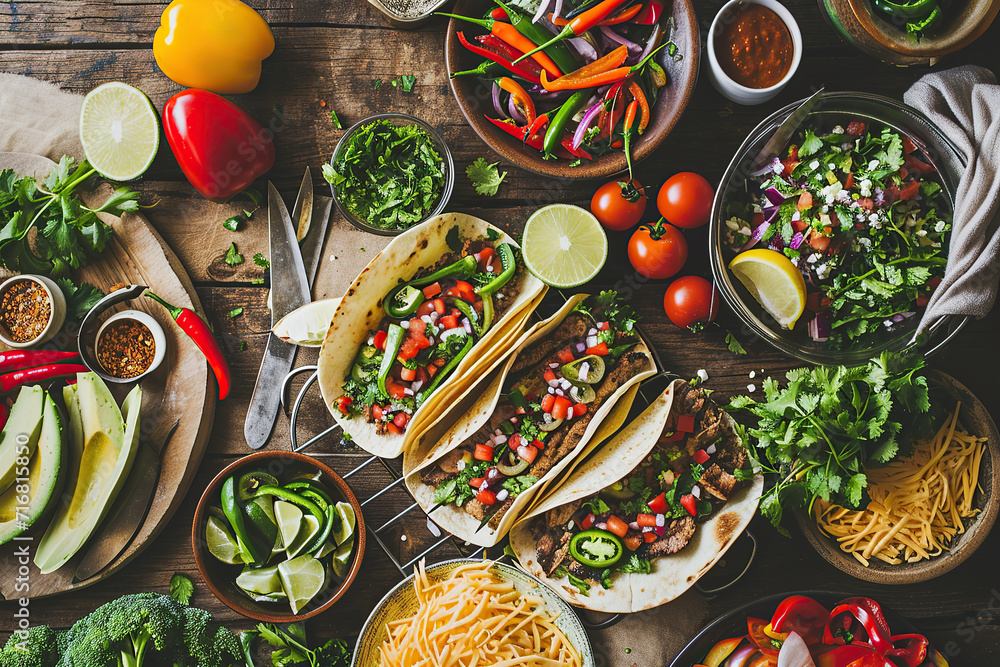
x: 221, y: 578
x: 474, y: 96
x: 977, y: 420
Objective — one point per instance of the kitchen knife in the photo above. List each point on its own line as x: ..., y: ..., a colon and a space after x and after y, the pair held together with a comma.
x: 289, y: 290
x: 784, y: 133
x: 130, y: 509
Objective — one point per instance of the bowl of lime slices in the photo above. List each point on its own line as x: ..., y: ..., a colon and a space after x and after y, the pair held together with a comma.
x: 278, y: 536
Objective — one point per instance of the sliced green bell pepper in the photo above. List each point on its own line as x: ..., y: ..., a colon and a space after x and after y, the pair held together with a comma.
x: 393, y: 341
x: 440, y: 376
x: 508, y: 264
x: 596, y: 548
x: 405, y: 298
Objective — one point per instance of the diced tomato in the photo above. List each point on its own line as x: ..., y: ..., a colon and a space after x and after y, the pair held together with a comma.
x: 448, y: 321
x: 903, y: 173
x: 431, y: 370
x: 688, y: 502
x: 549, y: 375
x: 432, y: 290
x: 483, y: 453
x: 527, y: 453
x: 485, y: 257
x: 343, y: 402
x: 805, y: 200
x: 659, y: 504
x: 849, y: 181
x: 486, y: 497
x: 476, y: 482
x: 633, y: 540
x: 818, y: 241
x: 649, y: 537
x: 617, y: 143
x: 379, y: 340
x: 462, y: 290
x: 408, y: 349
x: 908, y: 146
x: 421, y: 374
x: 922, y: 299
x: 479, y: 307
x: 604, y: 326
x: 514, y: 441
x: 646, y: 520
x: 417, y: 327
x: 793, y: 152
x: 426, y: 308
x: 548, y: 400
x: 813, y: 300
x: 617, y: 526
x: 401, y: 419
x: 588, y: 521
x: 917, y: 166
x: 439, y: 362
x: 579, y: 409
x: 601, y: 349
x: 700, y: 457
x: 538, y: 443
x: 395, y: 389
x: 909, y: 190
x: 560, y: 407
x: 439, y: 306
x: 408, y: 374
x: 377, y: 412
x: 676, y: 436
x: 788, y: 166
x: 855, y: 128
x: 685, y: 423
x: 565, y: 355
x: 799, y: 225
x: 392, y: 428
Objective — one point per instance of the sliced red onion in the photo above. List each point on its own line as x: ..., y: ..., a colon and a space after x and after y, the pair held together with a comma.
x: 774, y: 196
x: 588, y: 118
x: 557, y: 12
x: 496, y: 101
x: 416, y: 385
x: 795, y: 653
x: 797, y: 215
x: 757, y: 235
x: 515, y: 113
x: 796, y: 241
x: 819, y: 327
x: 633, y: 48
x: 776, y: 243
x: 601, y: 526
x: 634, y: 526
x: 740, y: 656
x: 584, y: 48
x: 651, y: 43
x: 661, y: 520
x: 543, y: 7
x: 580, y: 347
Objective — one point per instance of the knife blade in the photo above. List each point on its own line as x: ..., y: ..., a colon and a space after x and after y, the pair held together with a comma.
x: 303, y: 211
x: 289, y: 290
x: 784, y: 133
x: 130, y: 509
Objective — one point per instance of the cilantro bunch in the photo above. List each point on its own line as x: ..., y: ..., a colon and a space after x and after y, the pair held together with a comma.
x: 46, y: 228
x: 821, y: 431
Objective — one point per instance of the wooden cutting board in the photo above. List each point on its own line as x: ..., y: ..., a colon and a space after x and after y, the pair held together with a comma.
x: 181, y: 388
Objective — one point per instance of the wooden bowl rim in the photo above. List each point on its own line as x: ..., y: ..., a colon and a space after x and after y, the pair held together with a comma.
x: 602, y: 166
x: 930, y: 47
x: 201, y: 555
x: 965, y: 544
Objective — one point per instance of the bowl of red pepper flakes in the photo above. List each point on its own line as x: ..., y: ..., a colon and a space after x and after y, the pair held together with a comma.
x: 130, y: 344
x: 32, y: 310
x: 641, y: 106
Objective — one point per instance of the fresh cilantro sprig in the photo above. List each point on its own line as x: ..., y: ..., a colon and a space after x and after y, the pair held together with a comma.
x: 181, y: 588
x: 485, y: 177
x: 79, y: 298
x: 821, y: 431
x: 69, y: 234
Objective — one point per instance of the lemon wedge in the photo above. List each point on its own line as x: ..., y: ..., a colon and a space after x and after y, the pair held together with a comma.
x: 774, y: 281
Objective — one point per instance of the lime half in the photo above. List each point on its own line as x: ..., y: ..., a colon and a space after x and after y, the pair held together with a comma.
x: 120, y: 131
x: 302, y: 578
x: 221, y: 542
x: 564, y: 245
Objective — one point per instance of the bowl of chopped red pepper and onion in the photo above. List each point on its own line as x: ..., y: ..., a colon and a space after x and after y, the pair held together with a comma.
x: 609, y: 85
x: 811, y: 628
x: 860, y: 203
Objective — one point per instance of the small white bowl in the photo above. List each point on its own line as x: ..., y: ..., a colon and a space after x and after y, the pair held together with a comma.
x: 720, y: 80
x: 159, y: 339
x: 56, y: 317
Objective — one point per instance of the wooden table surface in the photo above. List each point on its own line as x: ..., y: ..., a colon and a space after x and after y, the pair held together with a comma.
x: 331, y: 51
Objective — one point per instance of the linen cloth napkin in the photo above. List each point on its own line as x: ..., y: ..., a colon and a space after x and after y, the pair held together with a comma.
x: 964, y: 103
x: 37, y: 117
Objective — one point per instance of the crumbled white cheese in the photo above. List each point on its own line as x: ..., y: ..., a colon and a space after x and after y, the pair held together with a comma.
x: 940, y: 226
x: 814, y: 165
x: 822, y: 271
x: 751, y: 388
x: 838, y: 130
x: 813, y: 259
x: 753, y: 374
x: 703, y: 375
x: 733, y: 223
x: 873, y: 165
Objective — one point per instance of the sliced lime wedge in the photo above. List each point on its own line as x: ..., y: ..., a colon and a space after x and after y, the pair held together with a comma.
x: 345, y: 529
x: 310, y: 531
x: 261, y: 581
x: 120, y: 131
x: 325, y: 550
x: 289, y: 518
x: 564, y: 245
x: 301, y: 578
x: 221, y: 542
x: 341, y: 560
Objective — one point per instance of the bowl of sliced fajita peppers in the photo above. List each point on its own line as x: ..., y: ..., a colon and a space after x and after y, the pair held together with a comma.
x: 609, y: 85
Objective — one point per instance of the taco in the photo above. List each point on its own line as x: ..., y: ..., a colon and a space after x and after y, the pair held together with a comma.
x: 547, y: 407
x: 638, y: 523
x: 441, y: 304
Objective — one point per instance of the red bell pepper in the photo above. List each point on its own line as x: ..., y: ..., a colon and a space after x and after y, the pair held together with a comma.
x: 911, y: 648
x: 863, y: 619
x: 219, y: 147
x: 801, y: 615
x: 755, y: 632
x: 853, y: 655
x: 650, y: 14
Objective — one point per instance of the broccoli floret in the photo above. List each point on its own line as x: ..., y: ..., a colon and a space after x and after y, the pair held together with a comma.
x: 38, y: 647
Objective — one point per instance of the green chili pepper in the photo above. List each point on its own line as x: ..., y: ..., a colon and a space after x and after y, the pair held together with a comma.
x: 596, y: 548
x: 393, y: 341
x: 557, y: 126
x: 445, y: 370
x: 399, y: 306
x: 231, y: 508
x: 486, y: 70
x: 292, y: 497
x: 403, y: 301
x: 508, y: 265
x: 539, y: 35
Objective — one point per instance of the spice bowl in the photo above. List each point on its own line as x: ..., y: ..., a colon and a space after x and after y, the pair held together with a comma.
x: 130, y: 345
x: 32, y: 310
x: 717, y: 75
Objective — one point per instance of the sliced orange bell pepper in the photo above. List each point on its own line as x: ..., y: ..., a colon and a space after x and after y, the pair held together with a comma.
x: 586, y: 76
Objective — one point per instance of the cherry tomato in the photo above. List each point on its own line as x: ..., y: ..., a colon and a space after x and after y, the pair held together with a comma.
x: 691, y: 300
x: 618, y: 211
x: 685, y: 200
x: 657, y: 251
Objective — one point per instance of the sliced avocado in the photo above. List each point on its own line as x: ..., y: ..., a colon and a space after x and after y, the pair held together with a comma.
x: 46, y: 475
x: 109, y: 447
x: 21, y: 431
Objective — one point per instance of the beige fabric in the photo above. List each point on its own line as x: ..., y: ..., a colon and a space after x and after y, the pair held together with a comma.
x: 964, y: 103
x: 37, y: 117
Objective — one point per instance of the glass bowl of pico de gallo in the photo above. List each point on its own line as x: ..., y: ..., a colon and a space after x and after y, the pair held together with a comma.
x: 850, y: 222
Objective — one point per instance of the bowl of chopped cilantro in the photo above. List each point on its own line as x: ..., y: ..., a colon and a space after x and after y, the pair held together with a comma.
x: 831, y: 248
x: 390, y: 172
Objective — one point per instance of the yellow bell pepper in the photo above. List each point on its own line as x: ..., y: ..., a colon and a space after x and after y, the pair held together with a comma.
x: 216, y: 45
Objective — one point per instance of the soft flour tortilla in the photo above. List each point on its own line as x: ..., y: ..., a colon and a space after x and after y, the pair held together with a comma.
x: 360, y: 312
x: 672, y: 575
x: 428, y: 448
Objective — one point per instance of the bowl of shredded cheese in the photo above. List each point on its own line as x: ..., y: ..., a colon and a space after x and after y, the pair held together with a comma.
x: 469, y: 611
x: 929, y: 509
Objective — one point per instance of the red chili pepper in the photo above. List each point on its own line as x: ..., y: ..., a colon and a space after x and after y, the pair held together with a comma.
x: 15, y: 360
x: 502, y: 48
x: 499, y: 13
x: 196, y: 328
x: 523, y: 70
x: 16, y: 379
x: 510, y: 34
x: 582, y: 23
x: 650, y: 14
x: 860, y: 616
x: 688, y: 502
x: 219, y: 147
x: 566, y: 151
x: 802, y: 615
